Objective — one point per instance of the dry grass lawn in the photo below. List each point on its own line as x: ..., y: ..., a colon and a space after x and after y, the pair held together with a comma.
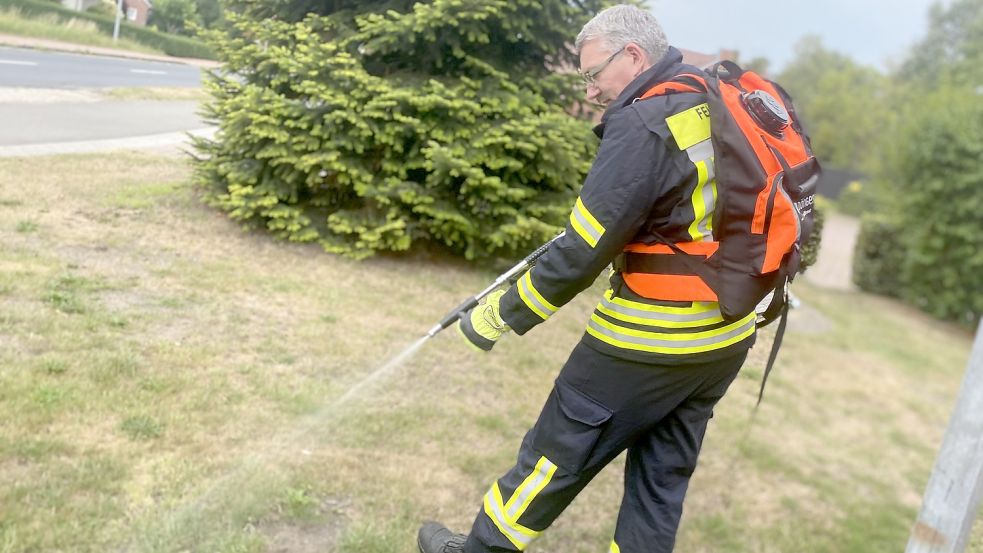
x: 170, y: 382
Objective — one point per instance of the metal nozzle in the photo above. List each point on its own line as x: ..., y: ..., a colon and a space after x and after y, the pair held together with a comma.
x: 433, y: 331
x: 471, y: 302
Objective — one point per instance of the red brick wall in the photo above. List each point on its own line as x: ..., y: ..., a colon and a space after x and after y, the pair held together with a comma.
x: 136, y: 11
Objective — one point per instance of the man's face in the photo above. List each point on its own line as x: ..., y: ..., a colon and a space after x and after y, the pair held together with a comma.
x: 611, y: 70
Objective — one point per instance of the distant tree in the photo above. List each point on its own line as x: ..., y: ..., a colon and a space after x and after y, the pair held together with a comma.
x: 209, y: 12
x: 925, y: 245
x: 758, y: 64
x: 952, y: 50
x: 842, y: 103
x: 174, y: 16
x: 105, y: 7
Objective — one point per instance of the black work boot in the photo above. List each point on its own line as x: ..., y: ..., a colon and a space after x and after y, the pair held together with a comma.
x: 434, y: 537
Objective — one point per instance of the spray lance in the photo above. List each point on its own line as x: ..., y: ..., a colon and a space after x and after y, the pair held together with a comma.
x: 471, y: 302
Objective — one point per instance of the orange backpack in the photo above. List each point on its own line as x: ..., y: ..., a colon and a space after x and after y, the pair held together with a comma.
x: 766, y: 178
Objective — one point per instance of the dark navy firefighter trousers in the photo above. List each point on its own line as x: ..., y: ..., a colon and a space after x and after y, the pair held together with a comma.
x: 600, y: 406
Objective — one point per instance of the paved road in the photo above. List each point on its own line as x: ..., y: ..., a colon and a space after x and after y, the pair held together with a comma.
x: 77, y: 121
x: 33, y: 68
x: 49, y: 103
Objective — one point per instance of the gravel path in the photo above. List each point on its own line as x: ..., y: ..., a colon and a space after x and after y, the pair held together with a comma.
x: 833, y: 268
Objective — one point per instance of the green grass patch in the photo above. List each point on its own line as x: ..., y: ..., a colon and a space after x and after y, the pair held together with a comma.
x: 154, y: 93
x: 142, y: 427
x: 143, y: 195
x: 66, y: 293
x: 26, y: 226
x: 174, y: 383
x: 14, y: 21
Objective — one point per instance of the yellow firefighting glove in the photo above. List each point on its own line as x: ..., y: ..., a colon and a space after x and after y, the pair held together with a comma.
x: 483, y: 326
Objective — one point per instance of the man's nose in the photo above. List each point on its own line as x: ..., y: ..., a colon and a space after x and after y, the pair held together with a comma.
x: 591, y: 92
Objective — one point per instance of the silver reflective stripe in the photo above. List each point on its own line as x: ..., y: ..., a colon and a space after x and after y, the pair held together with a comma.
x: 706, y: 317
x: 700, y: 151
x: 709, y: 202
x: 584, y: 229
x: 585, y: 224
x: 493, y: 507
x: 533, y: 299
x: 530, y: 488
x: 629, y: 338
x: 704, y: 199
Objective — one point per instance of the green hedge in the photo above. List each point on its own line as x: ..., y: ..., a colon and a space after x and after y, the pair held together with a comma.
x: 879, y: 255
x: 169, y: 44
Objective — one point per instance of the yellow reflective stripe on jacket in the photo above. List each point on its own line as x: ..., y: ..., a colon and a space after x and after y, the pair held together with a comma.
x: 585, y: 224
x: 691, y: 130
x: 506, y: 515
x: 614, y: 548
x: 691, y: 126
x: 533, y: 299
x: 700, y: 314
x: 670, y: 343
x: 704, y: 202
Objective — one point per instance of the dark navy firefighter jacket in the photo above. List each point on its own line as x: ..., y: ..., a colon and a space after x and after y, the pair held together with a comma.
x: 653, y: 170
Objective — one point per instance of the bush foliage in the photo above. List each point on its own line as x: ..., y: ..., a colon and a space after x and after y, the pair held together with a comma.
x: 879, y: 255
x: 810, y: 249
x: 374, y: 126
x: 932, y: 224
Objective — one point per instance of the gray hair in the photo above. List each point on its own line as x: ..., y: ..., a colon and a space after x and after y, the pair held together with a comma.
x: 618, y: 25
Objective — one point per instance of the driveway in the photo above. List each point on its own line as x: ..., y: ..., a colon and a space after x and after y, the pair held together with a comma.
x: 834, y: 266
x: 43, y: 123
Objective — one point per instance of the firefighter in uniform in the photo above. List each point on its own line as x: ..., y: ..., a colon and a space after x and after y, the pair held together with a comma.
x: 657, y: 355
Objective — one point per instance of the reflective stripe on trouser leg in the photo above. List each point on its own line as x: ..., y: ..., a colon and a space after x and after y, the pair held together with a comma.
x: 554, y: 463
x: 505, y: 514
x: 523, y: 503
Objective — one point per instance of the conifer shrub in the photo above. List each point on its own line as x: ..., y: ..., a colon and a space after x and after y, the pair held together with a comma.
x: 376, y: 126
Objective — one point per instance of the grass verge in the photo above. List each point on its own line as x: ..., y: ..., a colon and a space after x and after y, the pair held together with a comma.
x: 169, y: 382
x: 154, y: 93
x: 76, y: 31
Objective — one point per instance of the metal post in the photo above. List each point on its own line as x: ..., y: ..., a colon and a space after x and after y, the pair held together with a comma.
x: 119, y: 15
x: 954, y: 490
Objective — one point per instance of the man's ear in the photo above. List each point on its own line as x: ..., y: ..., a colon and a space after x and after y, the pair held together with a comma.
x: 639, y: 57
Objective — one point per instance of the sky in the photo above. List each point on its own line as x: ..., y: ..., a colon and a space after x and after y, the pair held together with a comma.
x: 872, y: 32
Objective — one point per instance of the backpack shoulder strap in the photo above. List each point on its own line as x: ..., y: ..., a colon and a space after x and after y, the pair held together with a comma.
x: 731, y: 71
x: 684, y: 82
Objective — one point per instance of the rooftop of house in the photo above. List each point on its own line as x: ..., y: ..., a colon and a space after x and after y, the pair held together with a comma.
x: 703, y: 61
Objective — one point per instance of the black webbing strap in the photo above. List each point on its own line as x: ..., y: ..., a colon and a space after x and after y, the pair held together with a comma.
x: 694, y: 262
x: 775, y: 345
x: 655, y: 263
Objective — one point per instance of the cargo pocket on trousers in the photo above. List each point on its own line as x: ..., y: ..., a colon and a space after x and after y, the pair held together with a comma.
x: 569, y: 427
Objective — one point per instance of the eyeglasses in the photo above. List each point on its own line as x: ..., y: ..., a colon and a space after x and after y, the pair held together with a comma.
x: 590, y: 75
